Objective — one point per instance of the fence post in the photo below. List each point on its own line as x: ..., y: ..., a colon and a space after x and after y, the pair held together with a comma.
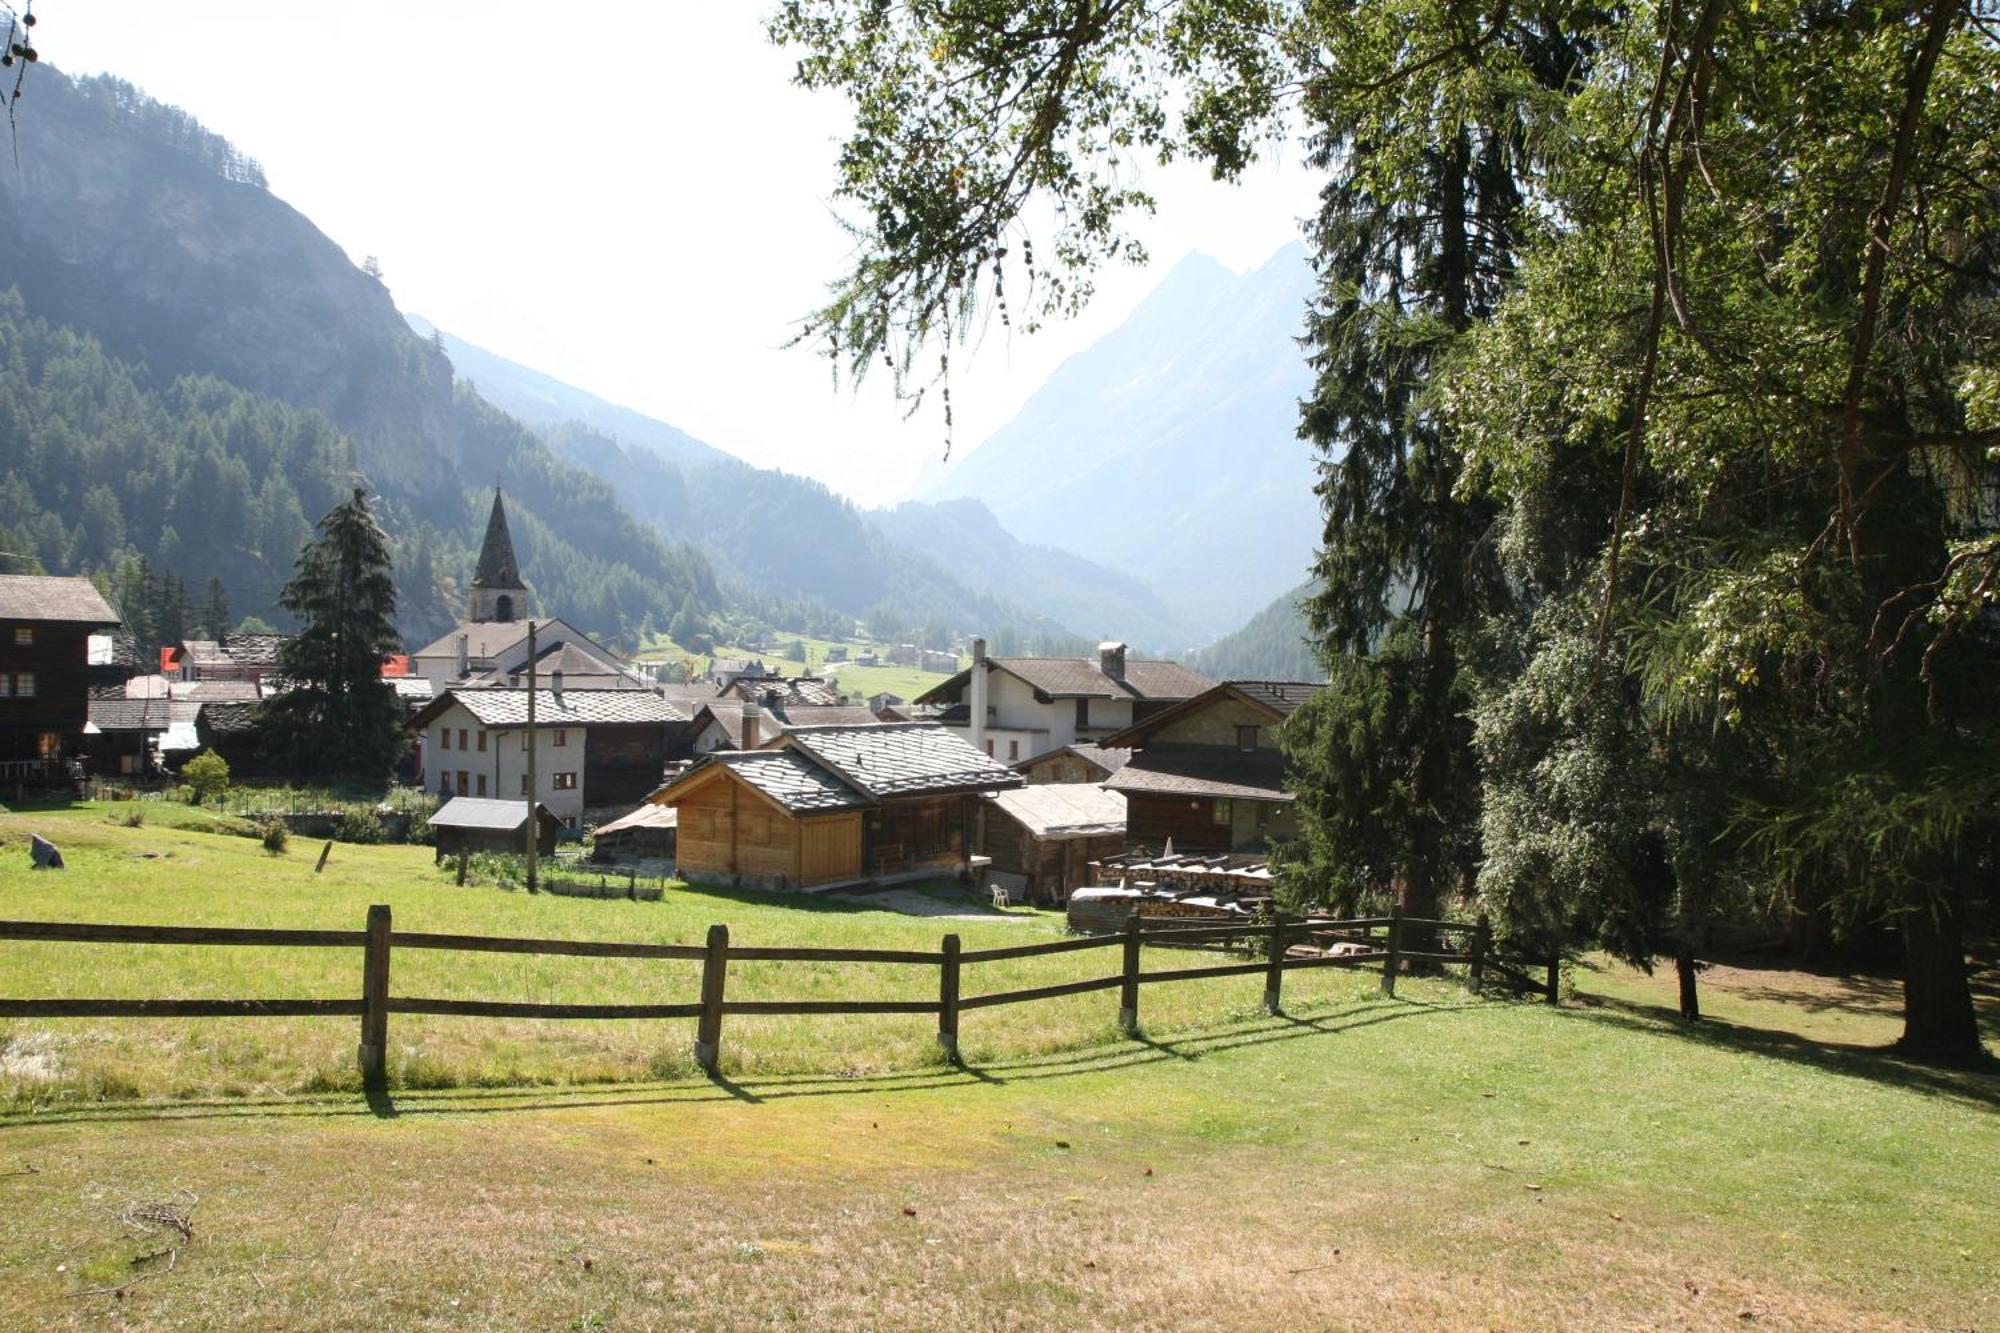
x: 1128, y: 994
x: 1482, y: 940
x: 708, y: 1028
x: 324, y: 852
x: 1274, y: 977
x: 1554, y: 987
x: 374, y: 1049
x: 948, y: 999
x: 1393, y: 958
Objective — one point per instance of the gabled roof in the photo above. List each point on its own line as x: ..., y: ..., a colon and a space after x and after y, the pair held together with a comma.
x: 45, y: 597
x: 647, y: 815
x: 1108, y: 758
x: 790, y: 779
x: 496, y: 567
x: 902, y: 759
x: 139, y: 714
x: 1063, y: 809
x: 229, y: 717
x: 1204, y: 770
x: 770, y: 691
x: 1083, y: 678
x: 254, y: 650
x: 581, y: 668
x: 572, y: 708
x: 727, y: 716
x: 489, y: 638
x: 1278, y: 698
x: 480, y: 812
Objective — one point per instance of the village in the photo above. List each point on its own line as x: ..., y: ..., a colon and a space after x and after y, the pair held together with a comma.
x: 1113, y: 783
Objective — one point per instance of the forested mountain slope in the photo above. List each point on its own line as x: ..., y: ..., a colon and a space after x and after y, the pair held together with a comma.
x: 145, y: 250
x: 1272, y: 646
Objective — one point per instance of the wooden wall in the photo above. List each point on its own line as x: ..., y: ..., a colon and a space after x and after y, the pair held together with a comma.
x: 59, y: 658
x: 730, y: 832
x: 1053, y: 867
x: 917, y: 833
x: 1151, y: 819
x: 621, y: 763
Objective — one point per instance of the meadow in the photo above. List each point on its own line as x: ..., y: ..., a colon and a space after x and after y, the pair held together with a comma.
x: 1431, y: 1160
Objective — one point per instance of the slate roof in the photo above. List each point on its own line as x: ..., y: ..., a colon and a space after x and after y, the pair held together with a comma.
x: 727, y: 715
x: 573, y: 708
x: 45, y: 597
x: 255, y: 650
x: 479, y: 812
x: 1084, y: 678
x: 1204, y: 770
x: 810, y: 691
x: 139, y: 714
x: 205, y: 690
x: 117, y: 649
x: 581, y: 668
x: 1063, y: 809
x: 488, y: 638
x: 496, y: 567
x: 1110, y: 758
x: 828, y: 715
x: 1282, y: 695
x: 204, y: 652
x: 791, y: 779
x: 228, y: 717
x: 646, y: 816
x: 903, y: 759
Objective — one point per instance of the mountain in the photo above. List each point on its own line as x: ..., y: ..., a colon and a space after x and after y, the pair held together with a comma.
x: 1271, y: 646
x: 786, y: 537
x: 1076, y: 592
x: 183, y: 339
x: 545, y: 401
x: 1169, y: 448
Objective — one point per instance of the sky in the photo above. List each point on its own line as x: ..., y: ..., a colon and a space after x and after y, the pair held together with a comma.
x: 631, y: 197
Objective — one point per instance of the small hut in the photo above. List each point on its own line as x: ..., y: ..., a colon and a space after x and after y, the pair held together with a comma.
x: 647, y: 834
x: 1042, y: 838
x: 478, y: 824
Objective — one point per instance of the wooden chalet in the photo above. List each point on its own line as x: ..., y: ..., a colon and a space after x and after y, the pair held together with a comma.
x: 45, y: 629
x: 1208, y: 773
x: 832, y: 805
x: 1043, y: 838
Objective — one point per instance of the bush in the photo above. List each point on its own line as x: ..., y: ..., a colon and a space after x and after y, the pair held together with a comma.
x: 358, y: 825
x: 274, y: 835
x: 206, y: 775
x: 132, y: 818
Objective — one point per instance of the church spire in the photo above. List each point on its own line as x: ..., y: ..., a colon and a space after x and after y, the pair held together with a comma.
x: 497, y: 591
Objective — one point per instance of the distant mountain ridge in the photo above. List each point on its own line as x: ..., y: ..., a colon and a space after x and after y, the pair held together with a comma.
x: 1169, y: 448
x: 1272, y: 645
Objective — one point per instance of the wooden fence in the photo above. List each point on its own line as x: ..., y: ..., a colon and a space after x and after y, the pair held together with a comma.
x: 1381, y: 940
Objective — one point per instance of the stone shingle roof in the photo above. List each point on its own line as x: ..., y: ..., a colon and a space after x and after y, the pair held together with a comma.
x: 573, y: 708
x: 229, y: 717
x: 903, y: 759
x: 496, y: 568
x: 791, y: 779
x: 479, y: 812
x: 1204, y: 770
x: 44, y: 597
x: 254, y: 650
x: 140, y: 714
x: 1084, y: 678
x: 1063, y: 809
x: 1284, y: 696
x: 809, y: 691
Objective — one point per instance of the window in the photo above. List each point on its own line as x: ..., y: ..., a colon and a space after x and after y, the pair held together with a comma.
x: 524, y: 784
x: 1013, y: 751
x: 482, y: 742
x: 464, y: 787
x: 444, y: 738
x: 461, y: 738
x: 565, y: 782
x: 1246, y: 738
x: 49, y: 745
x: 482, y: 784
x: 1225, y: 813
x: 1083, y: 714
x: 989, y: 749
x: 24, y: 685
x: 562, y: 736
x: 24, y: 636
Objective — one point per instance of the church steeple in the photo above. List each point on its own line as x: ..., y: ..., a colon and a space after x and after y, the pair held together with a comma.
x: 497, y: 591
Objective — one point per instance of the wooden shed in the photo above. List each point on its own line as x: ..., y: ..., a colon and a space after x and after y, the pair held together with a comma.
x: 1043, y: 837
x: 475, y: 824
x: 830, y: 805
x: 649, y: 833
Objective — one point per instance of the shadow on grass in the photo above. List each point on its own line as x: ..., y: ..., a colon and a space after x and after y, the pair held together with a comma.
x: 1105, y: 1059
x: 1877, y: 1064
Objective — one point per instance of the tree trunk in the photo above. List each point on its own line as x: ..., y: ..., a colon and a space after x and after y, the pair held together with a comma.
x: 1938, y: 1020
x: 1684, y: 969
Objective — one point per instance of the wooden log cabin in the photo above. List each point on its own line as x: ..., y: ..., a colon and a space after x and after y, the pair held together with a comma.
x: 1044, y: 837
x: 832, y: 805
x: 45, y: 629
x: 1208, y: 773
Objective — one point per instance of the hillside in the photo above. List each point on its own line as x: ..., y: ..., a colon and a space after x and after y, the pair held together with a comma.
x: 146, y: 250
x: 780, y: 537
x: 1169, y: 448
x: 1272, y: 646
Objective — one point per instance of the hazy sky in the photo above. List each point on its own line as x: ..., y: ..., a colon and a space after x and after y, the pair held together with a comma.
x: 629, y: 196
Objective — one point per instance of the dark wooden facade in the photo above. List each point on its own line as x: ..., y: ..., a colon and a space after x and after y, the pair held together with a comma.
x: 452, y: 841
x: 46, y: 723
x: 623, y: 762
x: 1051, y: 866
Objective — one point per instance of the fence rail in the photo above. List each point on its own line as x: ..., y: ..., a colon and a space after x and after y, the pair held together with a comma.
x: 378, y: 941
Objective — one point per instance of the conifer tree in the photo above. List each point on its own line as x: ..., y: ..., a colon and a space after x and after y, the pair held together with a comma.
x: 339, y: 719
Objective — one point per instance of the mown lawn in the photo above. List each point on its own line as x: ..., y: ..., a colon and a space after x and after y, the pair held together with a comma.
x: 1426, y: 1161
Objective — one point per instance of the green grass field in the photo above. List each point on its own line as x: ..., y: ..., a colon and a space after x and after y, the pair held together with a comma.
x: 1430, y: 1160
x: 858, y: 682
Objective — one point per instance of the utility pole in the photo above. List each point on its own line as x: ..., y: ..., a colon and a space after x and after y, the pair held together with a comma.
x: 534, y: 824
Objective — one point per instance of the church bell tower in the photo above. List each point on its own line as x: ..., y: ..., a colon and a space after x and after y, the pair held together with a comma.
x: 497, y: 592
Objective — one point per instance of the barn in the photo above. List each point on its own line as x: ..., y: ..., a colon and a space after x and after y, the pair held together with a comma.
x: 1043, y: 837
x: 832, y: 805
x: 474, y: 824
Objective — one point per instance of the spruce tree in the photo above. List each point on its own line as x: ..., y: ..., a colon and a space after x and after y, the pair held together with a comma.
x: 339, y: 718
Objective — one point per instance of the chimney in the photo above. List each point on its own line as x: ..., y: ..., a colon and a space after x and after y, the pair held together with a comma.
x: 464, y: 656
x: 977, y: 704
x: 753, y: 717
x: 1111, y: 660
x: 555, y: 685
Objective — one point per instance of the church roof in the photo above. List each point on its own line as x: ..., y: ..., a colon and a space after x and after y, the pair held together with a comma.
x: 496, y: 557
